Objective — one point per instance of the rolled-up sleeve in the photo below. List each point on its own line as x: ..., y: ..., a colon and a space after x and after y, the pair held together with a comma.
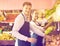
x: 36, y: 29
x: 19, y: 21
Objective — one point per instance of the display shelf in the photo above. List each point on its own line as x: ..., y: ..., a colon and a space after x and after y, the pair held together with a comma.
x: 7, y: 42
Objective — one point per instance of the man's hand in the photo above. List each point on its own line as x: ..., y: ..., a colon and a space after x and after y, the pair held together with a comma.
x: 32, y: 40
x: 47, y: 36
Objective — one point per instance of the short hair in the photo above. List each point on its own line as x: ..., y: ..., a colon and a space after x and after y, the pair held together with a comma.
x: 27, y: 3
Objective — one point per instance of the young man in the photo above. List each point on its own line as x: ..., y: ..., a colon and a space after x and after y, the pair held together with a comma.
x: 21, y: 28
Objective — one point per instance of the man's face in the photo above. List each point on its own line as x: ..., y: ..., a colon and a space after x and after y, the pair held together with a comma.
x: 26, y: 9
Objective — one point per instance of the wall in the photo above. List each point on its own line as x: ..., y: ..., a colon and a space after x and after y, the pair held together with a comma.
x: 17, y: 4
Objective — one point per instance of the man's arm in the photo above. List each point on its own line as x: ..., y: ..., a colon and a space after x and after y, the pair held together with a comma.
x: 38, y: 27
x: 19, y: 21
x: 36, y: 30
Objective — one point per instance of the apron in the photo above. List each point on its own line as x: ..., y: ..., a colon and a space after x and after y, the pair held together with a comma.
x: 24, y: 31
x: 39, y: 38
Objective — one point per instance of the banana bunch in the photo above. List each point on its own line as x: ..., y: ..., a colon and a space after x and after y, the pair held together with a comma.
x: 6, y: 36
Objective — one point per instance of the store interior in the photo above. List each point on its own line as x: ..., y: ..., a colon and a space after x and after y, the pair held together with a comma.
x: 8, y: 13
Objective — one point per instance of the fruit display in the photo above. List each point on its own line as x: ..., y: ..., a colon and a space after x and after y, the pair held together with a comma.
x: 6, y: 36
x: 53, y: 40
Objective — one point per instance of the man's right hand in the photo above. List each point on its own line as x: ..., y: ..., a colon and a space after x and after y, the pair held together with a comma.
x: 32, y: 40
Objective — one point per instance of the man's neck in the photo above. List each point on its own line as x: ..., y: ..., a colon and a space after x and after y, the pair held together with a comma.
x: 26, y: 16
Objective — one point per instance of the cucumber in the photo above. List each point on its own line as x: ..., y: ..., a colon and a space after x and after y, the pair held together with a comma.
x: 49, y: 30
